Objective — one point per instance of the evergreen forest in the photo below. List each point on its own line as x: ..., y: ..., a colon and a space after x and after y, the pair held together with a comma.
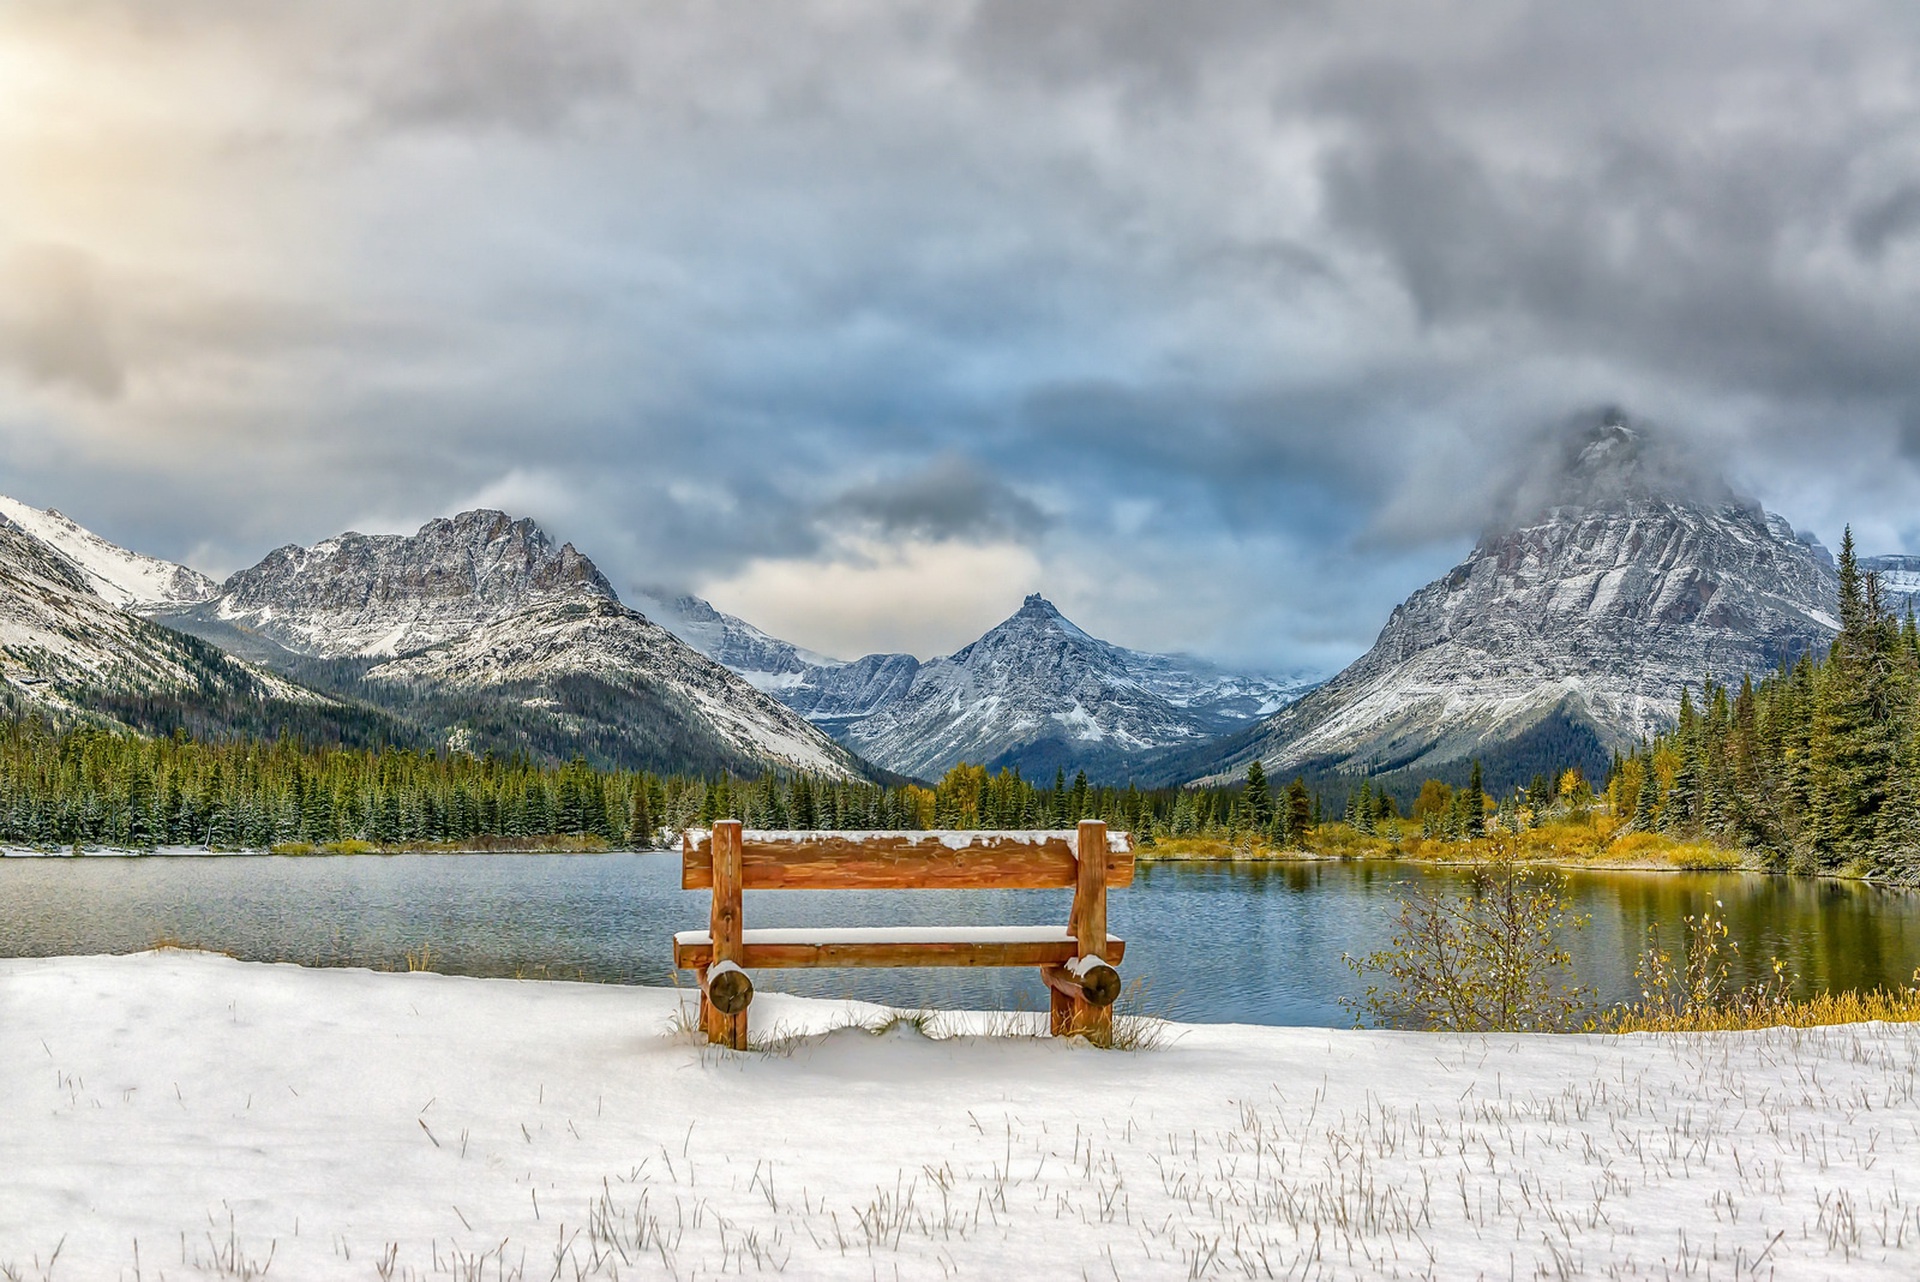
x: 1815, y: 767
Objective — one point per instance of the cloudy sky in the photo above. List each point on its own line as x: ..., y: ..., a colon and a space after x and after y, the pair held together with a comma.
x: 1215, y: 322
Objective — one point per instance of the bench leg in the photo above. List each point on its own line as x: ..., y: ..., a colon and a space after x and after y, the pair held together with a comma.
x: 1062, y: 1021
x: 726, y: 928
x: 1078, y: 1017
x: 721, y: 1028
x: 1073, y: 1016
x: 1095, y: 1023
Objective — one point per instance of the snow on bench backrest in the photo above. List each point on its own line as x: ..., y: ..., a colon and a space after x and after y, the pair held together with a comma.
x: 777, y: 859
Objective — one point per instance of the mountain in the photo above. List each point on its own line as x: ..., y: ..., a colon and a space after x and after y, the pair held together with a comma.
x: 372, y: 595
x: 1623, y: 572
x: 595, y: 676
x: 67, y: 651
x: 479, y: 627
x: 1899, y: 579
x: 121, y: 578
x: 1035, y: 692
x: 766, y: 662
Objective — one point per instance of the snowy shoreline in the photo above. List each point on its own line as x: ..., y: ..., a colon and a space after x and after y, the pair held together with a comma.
x: 207, y: 1113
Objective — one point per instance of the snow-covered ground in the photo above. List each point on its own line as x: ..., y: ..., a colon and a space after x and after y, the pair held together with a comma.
x: 183, y: 1115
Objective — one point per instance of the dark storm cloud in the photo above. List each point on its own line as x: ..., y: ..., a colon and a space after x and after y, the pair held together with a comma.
x: 1240, y: 315
x: 950, y: 498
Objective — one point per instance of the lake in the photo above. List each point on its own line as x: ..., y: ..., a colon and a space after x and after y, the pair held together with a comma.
x: 1248, y: 943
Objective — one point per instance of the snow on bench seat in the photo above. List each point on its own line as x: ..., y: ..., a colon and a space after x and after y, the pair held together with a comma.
x: 777, y: 947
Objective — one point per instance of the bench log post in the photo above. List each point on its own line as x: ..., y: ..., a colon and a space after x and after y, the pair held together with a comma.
x: 721, y: 1028
x: 1088, y: 925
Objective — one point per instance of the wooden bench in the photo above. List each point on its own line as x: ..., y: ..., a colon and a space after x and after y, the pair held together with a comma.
x: 1076, y: 960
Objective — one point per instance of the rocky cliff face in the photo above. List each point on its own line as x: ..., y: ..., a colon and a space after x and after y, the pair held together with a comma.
x: 388, y: 594
x: 1621, y: 576
x: 836, y: 696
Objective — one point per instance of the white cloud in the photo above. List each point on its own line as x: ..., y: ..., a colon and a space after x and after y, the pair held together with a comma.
x: 865, y: 596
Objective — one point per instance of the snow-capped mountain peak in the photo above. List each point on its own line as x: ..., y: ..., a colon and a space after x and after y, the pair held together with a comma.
x: 388, y: 594
x: 1574, y: 625
x: 128, y: 580
x: 481, y: 610
x: 1035, y: 691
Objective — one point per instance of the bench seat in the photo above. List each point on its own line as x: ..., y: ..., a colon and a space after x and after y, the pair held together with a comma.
x: 777, y: 947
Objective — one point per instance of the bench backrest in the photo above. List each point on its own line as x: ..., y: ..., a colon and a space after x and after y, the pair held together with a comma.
x: 775, y: 859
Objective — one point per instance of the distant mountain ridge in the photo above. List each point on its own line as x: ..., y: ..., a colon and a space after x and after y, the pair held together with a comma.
x: 1899, y: 579
x: 763, y: 661
x: 477, y: 629
x: 1621, y: 576
x: 1035, y: 692
x: 1616, y: 574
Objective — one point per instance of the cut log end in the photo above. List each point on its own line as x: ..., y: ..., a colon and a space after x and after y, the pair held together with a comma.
x: 1100, y: 984
x: 729, y: 988
x: 1089, y: 979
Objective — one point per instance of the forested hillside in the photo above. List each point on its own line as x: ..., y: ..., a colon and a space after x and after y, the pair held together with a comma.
x: 1816, y: 766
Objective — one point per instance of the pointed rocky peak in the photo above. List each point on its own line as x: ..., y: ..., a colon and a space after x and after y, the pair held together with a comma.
x: 1036, y: 612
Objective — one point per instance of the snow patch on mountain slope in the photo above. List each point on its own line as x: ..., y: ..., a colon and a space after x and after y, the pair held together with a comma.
x: 60, y: 640
x: 129, y: 580
x: 606, y: 641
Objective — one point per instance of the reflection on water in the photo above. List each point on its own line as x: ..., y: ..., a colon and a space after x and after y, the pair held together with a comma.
x: 1253, y: 943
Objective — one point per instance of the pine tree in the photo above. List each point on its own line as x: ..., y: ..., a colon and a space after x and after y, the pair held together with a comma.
x: 1646, y: 805
x: 1300, y: 816
x: 1259, y: 798
x: 1473, y: 805
x: 1682, y: 813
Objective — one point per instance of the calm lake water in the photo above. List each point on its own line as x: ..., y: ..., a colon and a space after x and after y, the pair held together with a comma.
x: 1213, y: 943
